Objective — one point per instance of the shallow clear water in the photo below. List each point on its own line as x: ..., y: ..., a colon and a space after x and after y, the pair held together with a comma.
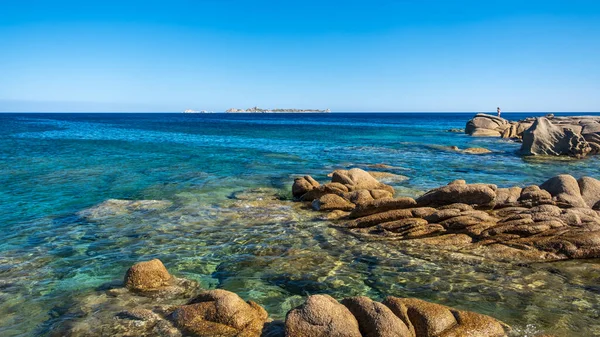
x: 232, y: 224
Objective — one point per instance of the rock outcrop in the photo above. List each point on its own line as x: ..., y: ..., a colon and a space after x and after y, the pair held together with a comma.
x: 347, y: 189
x: 560, y: 219
x: 322, y: 316
x: 544, y: 138
x: 221, y: 313
x: 483, y: 125
x: 575, y: 136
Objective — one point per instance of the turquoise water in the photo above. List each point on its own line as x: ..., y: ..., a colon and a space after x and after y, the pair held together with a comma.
x: 232, y: 225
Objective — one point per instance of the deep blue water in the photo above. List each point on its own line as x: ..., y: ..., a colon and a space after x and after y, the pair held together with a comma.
x: 54, y: 165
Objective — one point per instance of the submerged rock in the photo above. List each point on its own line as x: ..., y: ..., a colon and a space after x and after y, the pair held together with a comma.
x: 114, y: 207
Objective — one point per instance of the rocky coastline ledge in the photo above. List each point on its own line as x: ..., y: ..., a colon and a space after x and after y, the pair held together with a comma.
x: 575, y: 136
x: 557, y: 220
x: 148, y: 288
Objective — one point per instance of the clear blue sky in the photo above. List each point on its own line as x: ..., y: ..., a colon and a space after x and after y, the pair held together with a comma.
x: 419, y: 55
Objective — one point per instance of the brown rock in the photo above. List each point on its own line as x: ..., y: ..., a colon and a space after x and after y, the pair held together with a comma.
x: 434, y: 320
x: 565, y: 189
x: 147, y: 276
x: 533, y: 196
x: 220, y: 313
x: 382, y: 205
x: 474, y: 194
x: 359, y: 197
x: 507, y: 197
x: 332, y: 202
x: 375, y: 319
x: 427, y: 319
x: 303, y: 185
x: 321, y: 316
x: 590, y: 190
x: 356, y: 178
x: 381, y: 194
x: 317, y: 192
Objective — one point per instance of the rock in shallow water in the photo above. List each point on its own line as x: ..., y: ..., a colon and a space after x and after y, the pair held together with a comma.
x: 556, y: 220
x: 544, y: 138
x: 114, y: 207
x: 220, y: 313
x: 147, y: 276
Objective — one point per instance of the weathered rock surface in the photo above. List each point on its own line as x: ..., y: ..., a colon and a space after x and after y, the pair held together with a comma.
x: 346, y: 189
x: 303, y: 185
x: 375, y: 319
x: 544, y: 138
x: 220, y: 313
x: 332, y: 202
x: 321, y: 316
x: 554, y: 221
x: 475, y: 194
x: 147, y: 276
x: 486, y: 125
x: 575, y: 136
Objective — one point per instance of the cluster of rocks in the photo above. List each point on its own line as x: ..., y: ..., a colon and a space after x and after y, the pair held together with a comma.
x: 224, y: 314
x: 572, y: 136
x: 560, y: 219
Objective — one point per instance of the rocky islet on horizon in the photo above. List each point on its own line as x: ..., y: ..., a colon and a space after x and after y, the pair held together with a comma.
x: 575, y: 136
x: 259, y: 110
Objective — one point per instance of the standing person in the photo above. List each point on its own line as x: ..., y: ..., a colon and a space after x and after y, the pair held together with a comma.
x: 498, y: 110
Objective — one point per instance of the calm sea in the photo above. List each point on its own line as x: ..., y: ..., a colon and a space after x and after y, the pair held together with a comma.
x: 220, y: 171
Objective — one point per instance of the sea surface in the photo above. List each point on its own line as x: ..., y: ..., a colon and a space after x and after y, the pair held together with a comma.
x: 229, y: 221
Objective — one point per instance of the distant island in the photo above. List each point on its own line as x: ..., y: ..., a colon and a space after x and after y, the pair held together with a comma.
x: 259, y: 110
x: 190, y: 111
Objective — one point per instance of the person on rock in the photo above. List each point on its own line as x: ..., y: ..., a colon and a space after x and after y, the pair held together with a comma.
x: 498, y: 110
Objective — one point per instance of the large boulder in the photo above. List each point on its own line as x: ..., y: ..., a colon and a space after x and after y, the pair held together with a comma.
x: 564, y: 189
x: 303, y: 185
x: 147, y: 276
x: 544, y: 138
x: 473, y: 194
x: 432, y: 320
x: 332, y: 202
x: 375, y: 319
x: 321, y: 316
x: 220, y: 313
x: 486, y: 125
x: 590, y: 190
x: 357, y: 179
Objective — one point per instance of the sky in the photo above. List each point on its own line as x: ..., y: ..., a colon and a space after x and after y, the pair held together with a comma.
x: 403, y: 55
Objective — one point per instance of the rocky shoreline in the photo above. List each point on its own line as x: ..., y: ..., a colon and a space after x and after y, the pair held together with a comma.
x: 576, y: 136
x: 148, y: 286
x: 558, y: 220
